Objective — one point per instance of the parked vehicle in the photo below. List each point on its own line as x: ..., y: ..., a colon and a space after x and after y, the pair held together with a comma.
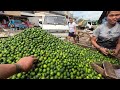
x: 18, y: 24
x: 29, y: 24
x: 51, y: 23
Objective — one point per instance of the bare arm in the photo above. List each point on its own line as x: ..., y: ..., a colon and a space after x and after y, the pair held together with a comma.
x: 93, y: 41
x: 102, y: 49
x: 23, y: 65
x: 7, y: 70
x: 75, y: 29
x: 116, y: 51
x: 118, y: 45
x: 96, y: 33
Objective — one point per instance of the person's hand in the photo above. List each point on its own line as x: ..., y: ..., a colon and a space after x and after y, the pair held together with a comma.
x: 115, y: 52
x: 26, y: 63
x: 104, y: 50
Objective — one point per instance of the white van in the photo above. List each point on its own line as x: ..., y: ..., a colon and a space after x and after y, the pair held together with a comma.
x: 89, y: 25
x: 51, y: 23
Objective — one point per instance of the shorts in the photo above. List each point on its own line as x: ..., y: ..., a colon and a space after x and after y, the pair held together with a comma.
x: 71, y: 34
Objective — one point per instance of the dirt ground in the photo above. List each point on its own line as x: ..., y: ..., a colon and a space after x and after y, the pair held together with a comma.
x: 8, y: 32
x: 83, y: 37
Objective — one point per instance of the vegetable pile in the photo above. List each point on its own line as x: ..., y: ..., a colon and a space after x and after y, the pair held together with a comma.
x: 57, y: 59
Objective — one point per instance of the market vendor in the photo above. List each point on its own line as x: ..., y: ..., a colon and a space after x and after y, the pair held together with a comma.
x: 23, y: 65
x: 107, y: 35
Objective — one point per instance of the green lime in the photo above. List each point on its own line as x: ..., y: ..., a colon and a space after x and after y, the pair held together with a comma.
x: 58, y: 74
x: 51, y: 73
x: 32, y: 73
x: 19, y: 75
x: 45, y: 66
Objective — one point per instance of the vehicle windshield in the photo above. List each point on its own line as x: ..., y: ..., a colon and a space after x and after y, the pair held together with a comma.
x: 56, y: 20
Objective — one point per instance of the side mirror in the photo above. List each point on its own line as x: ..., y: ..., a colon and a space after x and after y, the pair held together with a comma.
x: 40, y: 22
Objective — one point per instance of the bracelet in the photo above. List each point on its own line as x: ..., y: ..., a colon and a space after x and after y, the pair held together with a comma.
x: 18, y: 68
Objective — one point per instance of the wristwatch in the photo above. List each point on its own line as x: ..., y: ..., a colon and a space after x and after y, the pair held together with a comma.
x: 18, y: 68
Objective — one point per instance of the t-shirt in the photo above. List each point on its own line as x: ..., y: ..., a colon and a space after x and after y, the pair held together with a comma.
x: 71, y: 27
x: 119, y: 22
x: 107, y: 37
